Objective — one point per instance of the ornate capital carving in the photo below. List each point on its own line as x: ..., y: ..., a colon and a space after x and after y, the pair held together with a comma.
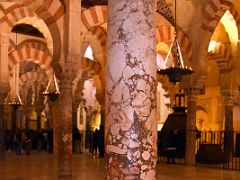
x: 66, y: 81
x: 229, y: 97
x: 75, y: 106
x: 194, y: 91
x: 72, y: 65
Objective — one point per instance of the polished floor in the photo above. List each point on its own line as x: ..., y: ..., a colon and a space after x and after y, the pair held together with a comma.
x: 41, y: 166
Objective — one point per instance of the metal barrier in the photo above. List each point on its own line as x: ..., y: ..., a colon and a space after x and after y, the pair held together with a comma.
x: 177, y: 160
x: 214, y: 149
x: 218, y: 149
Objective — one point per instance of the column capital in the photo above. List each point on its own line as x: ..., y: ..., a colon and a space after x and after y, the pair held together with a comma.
x: 194, y: 91
x: 75, y: 106
x: 228, y: 97
x: 72, y: 64
x: 227, y: 93
x: 65, y: 80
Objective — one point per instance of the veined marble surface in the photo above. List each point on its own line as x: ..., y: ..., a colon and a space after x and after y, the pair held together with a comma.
x: 131, y: 128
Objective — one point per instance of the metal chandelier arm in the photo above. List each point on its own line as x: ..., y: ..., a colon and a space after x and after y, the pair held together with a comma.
x: 48, y: 85
x: 180, y: 55
x: 55, y: 83
x: 169, y: 52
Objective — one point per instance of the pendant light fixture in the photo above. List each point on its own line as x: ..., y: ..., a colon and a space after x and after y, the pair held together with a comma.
x: 52, y: 89
x: 178, y: 70
x: 15, y: 100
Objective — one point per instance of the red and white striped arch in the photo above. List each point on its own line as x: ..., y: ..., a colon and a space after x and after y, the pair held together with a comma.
x: 223, y: 56
x: 213, y: 12
x: 89, y: 69
x: 93, y: 16
x: 165, y: 33
x: 236, y: 16
x: 17, y: 13
x: 91, y: 66
x: 33, y: 76
x: 49, y: 10
x: 97, y: 15
x: 12, y: 46
x: 99, y: 49
x: 20, y: 14
x: 100, y: 33
x: 31, y: 51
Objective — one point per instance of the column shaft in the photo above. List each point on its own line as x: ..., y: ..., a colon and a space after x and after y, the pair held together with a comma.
x: 228, y: 117
x: 65, y: 132
x: 131, y: 131
x: 2, y: 132
x: 3, y: 95
x: 4, y: 81
x: 228, y: 133
x: 72, y: 55
x: 190, y: 131
x: 54, y: 125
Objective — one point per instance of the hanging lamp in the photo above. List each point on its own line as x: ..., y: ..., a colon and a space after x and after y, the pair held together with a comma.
x: 15, y: 101
x: 52, y: 84
x: 175, y: 73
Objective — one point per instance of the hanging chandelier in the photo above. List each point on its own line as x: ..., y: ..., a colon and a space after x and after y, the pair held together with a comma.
x: 15, y: 101
x: 52, y: 84
x: 178, y: 70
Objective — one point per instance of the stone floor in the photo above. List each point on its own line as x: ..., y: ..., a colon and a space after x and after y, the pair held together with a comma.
x: 41, y: 166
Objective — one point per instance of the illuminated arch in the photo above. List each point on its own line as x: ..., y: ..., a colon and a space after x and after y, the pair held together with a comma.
x: 31, y: 51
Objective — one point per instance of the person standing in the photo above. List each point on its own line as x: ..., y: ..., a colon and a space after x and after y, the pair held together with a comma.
x: 101, y: 141
x: 95, y: 141
x: 76, y: 141
x: 173, y: 146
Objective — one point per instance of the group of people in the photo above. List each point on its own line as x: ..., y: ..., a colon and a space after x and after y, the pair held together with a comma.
x: 24, y: 140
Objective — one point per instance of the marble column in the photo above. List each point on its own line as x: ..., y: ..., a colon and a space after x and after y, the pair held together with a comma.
x: 2, y: 127
x: 65, y: 130
x: 54, y: 110
x: 130, y: 127
x: 74, y: 114
x: 27, y: 105
x: 4, y: 79
x: 228, y: 133
x: 71, y: 44
x: 3, y: 94
x: 72, y: 55
x: 190, y: 158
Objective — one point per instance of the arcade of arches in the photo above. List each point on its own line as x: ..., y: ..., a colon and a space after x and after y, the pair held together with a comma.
x: 105, y: 57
